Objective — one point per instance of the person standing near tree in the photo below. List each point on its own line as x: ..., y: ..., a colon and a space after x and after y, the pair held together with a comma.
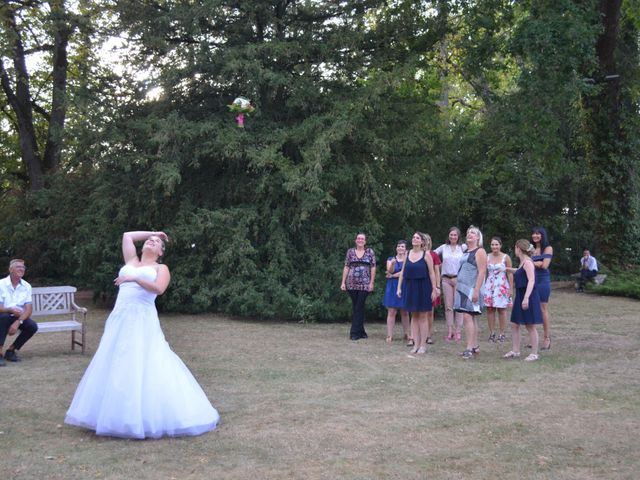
x: 418, y: 289
x: 468, y: 298
x: 526, y: 306
x: 391, y: 301
x: 451, y: 254
x: 15, y: 311
x: 497, y: 289
x: 542, y: 256
x: 358, y: 278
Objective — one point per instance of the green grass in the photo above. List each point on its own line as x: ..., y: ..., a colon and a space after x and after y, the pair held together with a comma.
x: 302, y: 401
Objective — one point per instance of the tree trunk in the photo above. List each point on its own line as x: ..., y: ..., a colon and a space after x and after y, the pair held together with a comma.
x: 53, y: 147
x: 18, y: 93
x: 20, y: 101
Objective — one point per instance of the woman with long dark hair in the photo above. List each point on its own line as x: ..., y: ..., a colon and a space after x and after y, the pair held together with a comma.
x: 542, y: 256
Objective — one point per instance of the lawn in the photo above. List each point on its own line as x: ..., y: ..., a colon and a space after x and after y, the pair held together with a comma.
x: 302, y: 401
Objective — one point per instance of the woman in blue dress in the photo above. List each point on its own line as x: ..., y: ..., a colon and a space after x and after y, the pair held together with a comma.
x: 541, y: 257
x: 391, y: 300
x: 527, y: 305
x: 418, y: 289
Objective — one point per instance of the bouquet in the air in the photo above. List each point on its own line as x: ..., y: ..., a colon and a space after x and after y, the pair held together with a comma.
x: 242, y: 106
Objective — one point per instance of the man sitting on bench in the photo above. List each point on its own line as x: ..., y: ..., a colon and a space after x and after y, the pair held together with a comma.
x: 588, y: 269
x: 15, y: 311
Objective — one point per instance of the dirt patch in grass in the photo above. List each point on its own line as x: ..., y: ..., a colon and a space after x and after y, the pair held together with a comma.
x: 302, y: 401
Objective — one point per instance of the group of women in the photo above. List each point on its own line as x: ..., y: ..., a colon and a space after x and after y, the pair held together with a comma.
x: 467, y: 277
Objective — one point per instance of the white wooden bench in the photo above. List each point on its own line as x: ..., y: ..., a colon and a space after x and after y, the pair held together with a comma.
x: 60, y: 302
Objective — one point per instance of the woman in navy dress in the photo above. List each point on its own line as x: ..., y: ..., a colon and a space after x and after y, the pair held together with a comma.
x: 418, y: 289
x: 541, y: 260
x: 527, y: 305
x: 391, y: 300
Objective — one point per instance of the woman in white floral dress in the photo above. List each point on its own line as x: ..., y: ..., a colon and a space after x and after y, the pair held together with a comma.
x: 497, y: 288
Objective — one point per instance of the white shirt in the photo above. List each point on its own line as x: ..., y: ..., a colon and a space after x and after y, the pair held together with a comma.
x: 589, y: 263
x: 14, y: 297
x: 450, y: 258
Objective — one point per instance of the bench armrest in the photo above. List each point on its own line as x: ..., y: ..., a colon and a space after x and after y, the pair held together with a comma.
x: 79, y: 308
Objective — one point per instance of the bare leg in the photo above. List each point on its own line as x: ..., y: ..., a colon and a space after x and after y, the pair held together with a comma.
x: 430, y: 324
x: 502, y: 316
x: 470, y: 331
x: 533, y: 336
x: 423, y: 327
x: 448, y: 286
x: 515, y: 337
x: 406, y: 324
x: 491, y: 320
x: 545, y: 326
x: 415, y: 330
x: 391, y: 322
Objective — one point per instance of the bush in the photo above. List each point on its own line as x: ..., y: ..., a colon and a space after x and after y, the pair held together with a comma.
x: 622, y: 283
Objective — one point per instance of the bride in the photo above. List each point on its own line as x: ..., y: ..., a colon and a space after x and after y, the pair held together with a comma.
x: 135, y: 386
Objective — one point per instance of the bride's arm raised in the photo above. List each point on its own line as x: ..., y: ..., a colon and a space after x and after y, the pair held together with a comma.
x: 129, y: 252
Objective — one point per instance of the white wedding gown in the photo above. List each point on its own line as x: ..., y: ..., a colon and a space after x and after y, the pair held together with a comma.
x: 135, y: 386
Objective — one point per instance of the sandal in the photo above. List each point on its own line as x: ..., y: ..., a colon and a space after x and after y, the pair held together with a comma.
x: 410, y: 343
x: 511, y: 354
x: 492, y: 338
x: 414, y: 350
x: 429, y: 340
x: 422, y: 351
x: 458, y: 337
x: 545, y: 345
x: 389, y: 339
x: 467, y: 354
x: 532, y: 357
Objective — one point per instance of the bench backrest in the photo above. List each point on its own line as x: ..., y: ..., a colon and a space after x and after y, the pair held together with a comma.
x: 53, y: 300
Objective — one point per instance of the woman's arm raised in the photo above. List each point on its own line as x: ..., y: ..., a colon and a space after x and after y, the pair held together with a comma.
x: 129, y: 252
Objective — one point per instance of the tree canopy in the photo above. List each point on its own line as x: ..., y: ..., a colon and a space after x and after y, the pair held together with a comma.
x: 375, y: 116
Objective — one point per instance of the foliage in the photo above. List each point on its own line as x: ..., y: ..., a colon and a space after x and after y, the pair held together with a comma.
x: 374, y: 116
x: 622, y: 283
